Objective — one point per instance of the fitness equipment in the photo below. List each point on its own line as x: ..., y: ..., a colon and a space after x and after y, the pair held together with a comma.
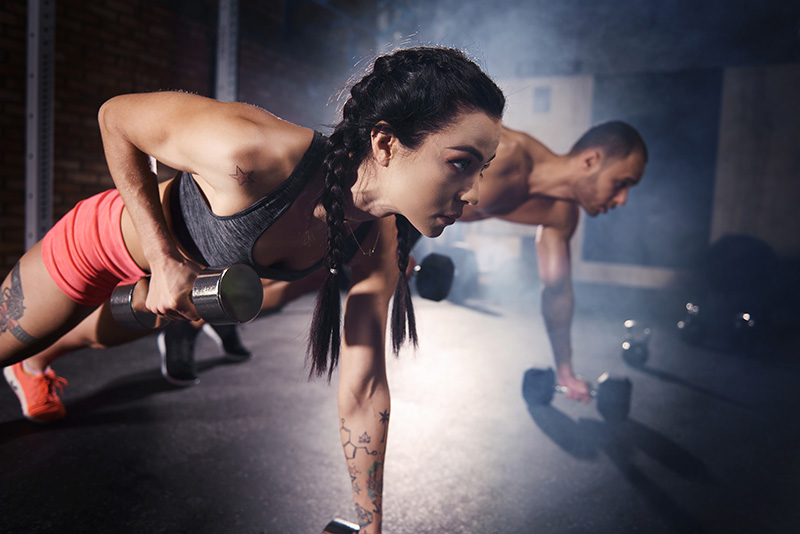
x: 340, y: 526
x: 692, y: 328
x: 434, y: 276
x: 635, y: 351
x: 613, y: 395
x: 227, y: 295
x: 451, y: 273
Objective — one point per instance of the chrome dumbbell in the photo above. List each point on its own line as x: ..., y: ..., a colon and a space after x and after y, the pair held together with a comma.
x: 229, y: 295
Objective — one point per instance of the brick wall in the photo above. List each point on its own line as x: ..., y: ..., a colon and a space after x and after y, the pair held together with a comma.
x: 12, y: 132
x: 122, y: 46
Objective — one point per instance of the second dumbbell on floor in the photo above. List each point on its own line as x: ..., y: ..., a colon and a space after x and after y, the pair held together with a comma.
x: 613, y: 395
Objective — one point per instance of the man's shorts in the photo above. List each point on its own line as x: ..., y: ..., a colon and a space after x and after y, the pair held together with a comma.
x: 85, y: 253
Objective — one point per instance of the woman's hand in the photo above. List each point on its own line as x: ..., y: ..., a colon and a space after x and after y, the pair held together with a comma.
x: 170, y: 291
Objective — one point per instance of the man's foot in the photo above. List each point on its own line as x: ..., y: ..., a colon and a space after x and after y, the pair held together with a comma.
x: 37, y: 393
x: 228, y: 340
x: 176, y: 345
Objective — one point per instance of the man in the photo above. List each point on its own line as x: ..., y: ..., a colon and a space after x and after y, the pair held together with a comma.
x: 528, y: 184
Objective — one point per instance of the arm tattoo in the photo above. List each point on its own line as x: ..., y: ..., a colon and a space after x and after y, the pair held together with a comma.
x: 374, y: 481
x: 385, y: 423
x: 350, y: 448
x: 354, y: 472
x: 242, y: 177
x: 11, y: 309
x: 364, y: 516
x: 375, y: 486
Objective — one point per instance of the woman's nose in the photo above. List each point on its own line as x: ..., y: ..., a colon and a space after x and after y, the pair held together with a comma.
x: 471, y: 195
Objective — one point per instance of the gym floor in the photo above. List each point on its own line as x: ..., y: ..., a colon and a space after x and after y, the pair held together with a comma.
x: 710, y: 446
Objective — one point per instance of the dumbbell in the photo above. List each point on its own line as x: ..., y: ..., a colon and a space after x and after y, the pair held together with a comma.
x: 452, y: 274
x: 340, y: 526
x: 434, y: 276
x: 227, y: 295
x: 692, y: 328
x: 613, y: 395
x: 635, y: 351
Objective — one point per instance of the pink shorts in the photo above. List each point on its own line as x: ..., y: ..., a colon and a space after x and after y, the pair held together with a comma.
x: 85, y: 253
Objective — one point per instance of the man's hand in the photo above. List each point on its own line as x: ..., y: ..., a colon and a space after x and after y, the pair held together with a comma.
x: 576, y: 387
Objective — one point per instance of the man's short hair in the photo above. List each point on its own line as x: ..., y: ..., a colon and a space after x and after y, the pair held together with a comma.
x: 616, y: 139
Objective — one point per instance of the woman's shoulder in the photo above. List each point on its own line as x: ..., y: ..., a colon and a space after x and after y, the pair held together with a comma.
x: 265, y: 147
x: 268, y: 140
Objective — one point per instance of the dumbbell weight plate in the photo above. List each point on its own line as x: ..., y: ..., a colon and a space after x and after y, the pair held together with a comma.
x: 230, y: 295
x: 613, y: 397
x: 434, y: 277
x: 340, y: 526
x: 123, y: 300
x: 538, y: 386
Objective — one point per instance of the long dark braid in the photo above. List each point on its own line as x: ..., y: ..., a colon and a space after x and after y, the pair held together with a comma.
x: 415, y: 91
x: 325, y: 334
x: 402, y: 308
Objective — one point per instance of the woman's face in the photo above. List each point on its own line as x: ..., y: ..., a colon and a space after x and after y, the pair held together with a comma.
x: 431, y: 184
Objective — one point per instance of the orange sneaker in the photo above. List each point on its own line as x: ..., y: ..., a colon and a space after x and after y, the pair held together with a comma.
x: 37, y: 393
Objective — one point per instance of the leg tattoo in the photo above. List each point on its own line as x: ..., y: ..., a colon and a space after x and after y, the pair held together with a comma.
x: 12, y: 309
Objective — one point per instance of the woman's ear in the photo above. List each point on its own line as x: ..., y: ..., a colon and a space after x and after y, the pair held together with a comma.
x: 383, y: 142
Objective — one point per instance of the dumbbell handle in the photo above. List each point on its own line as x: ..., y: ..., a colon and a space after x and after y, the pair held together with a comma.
x: 564, y: 389
x: 229, y: 295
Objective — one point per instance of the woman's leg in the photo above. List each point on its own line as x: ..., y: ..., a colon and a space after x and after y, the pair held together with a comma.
x: 34, y: 312
x: 99, y: 331
x: 39, y: 323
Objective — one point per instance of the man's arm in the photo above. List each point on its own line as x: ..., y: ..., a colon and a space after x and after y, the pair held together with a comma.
x: 364, y: 402
x: 552, y: 247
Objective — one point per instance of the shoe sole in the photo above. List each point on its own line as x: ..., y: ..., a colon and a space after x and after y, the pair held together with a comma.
x: 11, y: 378
x: 162, y: 349
x: 210, y: 332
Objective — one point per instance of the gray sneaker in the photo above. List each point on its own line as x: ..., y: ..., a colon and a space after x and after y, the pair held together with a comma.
x: 176, y: 345
x: 227, y: 339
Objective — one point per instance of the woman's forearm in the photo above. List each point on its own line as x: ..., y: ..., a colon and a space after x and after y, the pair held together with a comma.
x: 363, y: 427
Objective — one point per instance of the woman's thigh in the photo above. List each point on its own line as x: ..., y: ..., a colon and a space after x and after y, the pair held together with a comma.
x: 34, y: 312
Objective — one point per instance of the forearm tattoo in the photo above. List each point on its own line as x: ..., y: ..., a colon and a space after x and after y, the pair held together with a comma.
x: 242, y: 177
x: 374, y: 474
x: 12, y: 309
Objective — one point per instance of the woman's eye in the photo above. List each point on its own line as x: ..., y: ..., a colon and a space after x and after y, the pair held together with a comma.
x: 461, y: 164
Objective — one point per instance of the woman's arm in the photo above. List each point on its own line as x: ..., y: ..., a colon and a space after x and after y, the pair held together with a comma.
x: 364, y: 403
x: 199, y: 135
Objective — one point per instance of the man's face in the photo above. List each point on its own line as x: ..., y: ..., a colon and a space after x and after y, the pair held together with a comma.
x: 608, y: 186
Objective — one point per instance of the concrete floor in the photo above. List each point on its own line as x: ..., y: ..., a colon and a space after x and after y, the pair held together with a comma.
x: 711, y: 444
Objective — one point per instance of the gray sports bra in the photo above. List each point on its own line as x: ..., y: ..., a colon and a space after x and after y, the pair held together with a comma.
x: 219, y: 241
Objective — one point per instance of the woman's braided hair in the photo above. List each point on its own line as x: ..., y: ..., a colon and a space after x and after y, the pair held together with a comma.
x: 416, y: 91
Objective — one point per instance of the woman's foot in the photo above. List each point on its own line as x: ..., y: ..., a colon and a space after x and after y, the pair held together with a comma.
x: 37, y: 392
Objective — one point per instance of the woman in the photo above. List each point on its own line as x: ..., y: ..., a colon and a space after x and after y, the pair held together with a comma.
x: 415, y: 134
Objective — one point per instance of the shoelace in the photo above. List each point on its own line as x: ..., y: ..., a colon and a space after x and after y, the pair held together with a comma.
x: 54, y: 382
